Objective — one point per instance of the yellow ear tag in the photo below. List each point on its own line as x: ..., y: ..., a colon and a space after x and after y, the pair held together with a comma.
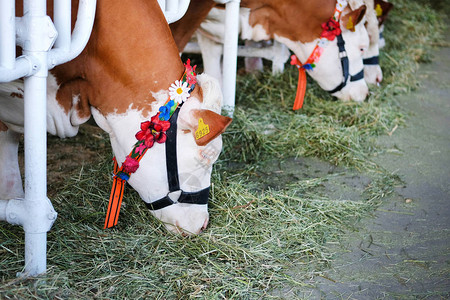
x: 378, y: 10
x: 350, y: 24
x: 202, y: 130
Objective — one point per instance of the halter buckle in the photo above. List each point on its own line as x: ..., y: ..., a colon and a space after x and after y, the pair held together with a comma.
x: 342, y: 54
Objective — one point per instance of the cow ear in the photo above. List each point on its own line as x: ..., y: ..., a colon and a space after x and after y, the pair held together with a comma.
x: 206, y: 125
x: 350, y: 20
x: 382, y: 9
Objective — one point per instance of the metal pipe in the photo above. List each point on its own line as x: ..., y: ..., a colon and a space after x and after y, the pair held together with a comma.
x: 62, y: 18
x: 24, y: 66
x: 230, y: 54
x: 7, y: 34
x: 35, y: 139
x: 80, y: 35
x: 36, y: 34
x: 35, y: 254
x: 174, y: 9
x: 171, y: 6
x: 162, y: 4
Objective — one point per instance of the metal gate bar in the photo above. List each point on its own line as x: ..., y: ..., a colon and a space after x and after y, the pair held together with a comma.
x: 36, y: 35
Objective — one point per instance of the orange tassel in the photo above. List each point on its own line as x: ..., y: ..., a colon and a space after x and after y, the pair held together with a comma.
x: 115, y: 199
x: 301, y: 89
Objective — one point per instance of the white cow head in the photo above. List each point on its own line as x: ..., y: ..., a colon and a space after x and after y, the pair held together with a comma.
x: 328, y: 71
x: 195, y: 155
x: 382, y: 9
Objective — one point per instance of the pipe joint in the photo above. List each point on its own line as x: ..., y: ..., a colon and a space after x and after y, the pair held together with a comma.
x: 35, y: 33
x: 34, y: 216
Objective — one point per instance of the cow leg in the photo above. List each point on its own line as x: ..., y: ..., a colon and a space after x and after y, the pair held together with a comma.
x: 10, y: 179
x: 253, y: 64
x: 211, y: 55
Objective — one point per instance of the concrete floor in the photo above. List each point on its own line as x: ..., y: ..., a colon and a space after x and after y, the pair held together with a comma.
x: 403, y: 252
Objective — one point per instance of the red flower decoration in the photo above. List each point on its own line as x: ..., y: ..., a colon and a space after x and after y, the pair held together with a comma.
x: 295, y: 61
x: 153, y: 130
x: 190, y: 72
x: 130, y: 165
x: 330, y: 29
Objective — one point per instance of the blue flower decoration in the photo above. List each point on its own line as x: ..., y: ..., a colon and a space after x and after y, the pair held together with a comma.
x: 123, y: 176
x: 308, y: 67
x: 164, y: 113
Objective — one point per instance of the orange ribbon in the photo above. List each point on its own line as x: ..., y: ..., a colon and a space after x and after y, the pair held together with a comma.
x: 115, y: 199
x: 301, y: 84
x: 116, y: 196
x: 301, y: 89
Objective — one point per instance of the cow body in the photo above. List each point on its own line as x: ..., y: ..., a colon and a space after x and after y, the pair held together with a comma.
x: 297, y: 24
x: 121, y: 79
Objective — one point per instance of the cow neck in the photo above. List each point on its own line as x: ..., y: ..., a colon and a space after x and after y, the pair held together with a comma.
x: 131, y: 53
x: 295, y: 20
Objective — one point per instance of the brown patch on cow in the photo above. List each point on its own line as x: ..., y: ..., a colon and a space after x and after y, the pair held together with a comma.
x: 3, y: 126
x: 69, y: 89
x: 297, y: 20
x: 183, y: 29
x: 216, y: 123
x: 197, y: 93
x: 16, y: 95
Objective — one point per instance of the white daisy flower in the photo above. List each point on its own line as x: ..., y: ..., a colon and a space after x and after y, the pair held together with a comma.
x: 179, y: 91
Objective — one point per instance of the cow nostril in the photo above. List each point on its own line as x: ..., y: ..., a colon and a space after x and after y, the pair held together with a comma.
x: 205, y: 224
x: 379, y: 79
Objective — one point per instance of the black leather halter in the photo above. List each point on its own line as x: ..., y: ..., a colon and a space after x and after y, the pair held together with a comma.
x: 200, y: 197
x: 374, y: 60
x: 345, y: 67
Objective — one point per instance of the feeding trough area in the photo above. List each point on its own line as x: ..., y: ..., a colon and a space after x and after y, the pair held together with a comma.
x: 258, y: 221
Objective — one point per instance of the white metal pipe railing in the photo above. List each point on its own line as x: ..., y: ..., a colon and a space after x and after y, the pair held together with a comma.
x: 173, y: 9
x: 61, y: 53
x: 7, y: 34
x: 36, y: 34
x: 80, y: 35
x: 35, y: 140
x: 230, y: 54
x: 24, y: 66
x: 63, y: 23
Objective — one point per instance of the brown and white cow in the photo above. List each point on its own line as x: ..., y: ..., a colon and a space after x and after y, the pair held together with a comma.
x: 376, y: 13
x: 372, y: 70
x: 121, y: 79
x: 382, y: 9
x: 297, y: 24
